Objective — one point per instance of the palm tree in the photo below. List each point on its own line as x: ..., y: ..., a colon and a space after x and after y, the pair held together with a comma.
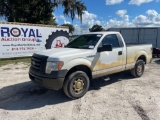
x: 71, y: 8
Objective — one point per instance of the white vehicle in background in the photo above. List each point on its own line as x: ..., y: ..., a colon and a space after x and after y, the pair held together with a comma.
x: 87, y: 57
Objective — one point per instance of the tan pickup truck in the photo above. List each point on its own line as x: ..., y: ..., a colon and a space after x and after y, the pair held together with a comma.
x: 87, y: 57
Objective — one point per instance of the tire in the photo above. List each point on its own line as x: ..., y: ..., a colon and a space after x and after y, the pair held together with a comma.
x: 76, y: 85
x: 54, y: 35
x: 138, y: 69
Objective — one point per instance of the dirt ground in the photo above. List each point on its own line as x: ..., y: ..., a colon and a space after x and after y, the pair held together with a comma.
x: 120, y: 98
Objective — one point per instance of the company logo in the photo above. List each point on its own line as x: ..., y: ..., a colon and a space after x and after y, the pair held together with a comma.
x: 59, y: 44
x: 57, y: 39
x: 15, y: 32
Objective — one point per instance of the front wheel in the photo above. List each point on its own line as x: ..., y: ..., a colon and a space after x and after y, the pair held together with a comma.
x: 138, y: 69
x: 76, y: 85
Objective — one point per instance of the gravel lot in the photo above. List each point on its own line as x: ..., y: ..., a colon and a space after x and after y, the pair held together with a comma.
x: 120, y: 98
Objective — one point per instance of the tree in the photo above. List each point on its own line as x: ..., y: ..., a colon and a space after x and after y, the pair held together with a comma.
x: 72, y: 7
x: 30, y: 11
x: 96, y: 28
x: 38, y: 11
x: 71, y: 27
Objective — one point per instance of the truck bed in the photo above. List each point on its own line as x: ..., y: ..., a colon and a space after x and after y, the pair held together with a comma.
x: 135, y: 50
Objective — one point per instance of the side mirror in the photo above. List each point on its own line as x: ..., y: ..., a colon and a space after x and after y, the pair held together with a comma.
x: 105, y: 48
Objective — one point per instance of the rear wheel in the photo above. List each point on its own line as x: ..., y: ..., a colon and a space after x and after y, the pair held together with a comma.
x: 138, y: 69
x: 76, y: 85
x: 158, y: 55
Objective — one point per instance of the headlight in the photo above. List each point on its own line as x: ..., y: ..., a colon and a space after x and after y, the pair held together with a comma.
x: 51, y: 66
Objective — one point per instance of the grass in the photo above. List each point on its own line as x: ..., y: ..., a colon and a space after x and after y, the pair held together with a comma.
x: 14, y: 61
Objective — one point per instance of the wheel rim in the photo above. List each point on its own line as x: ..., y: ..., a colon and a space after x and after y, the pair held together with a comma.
x: 78, y: 85
x: 140, y: 69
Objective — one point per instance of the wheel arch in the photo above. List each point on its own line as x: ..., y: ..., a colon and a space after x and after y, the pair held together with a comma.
x: 80, y: 67
x: 142, y: 57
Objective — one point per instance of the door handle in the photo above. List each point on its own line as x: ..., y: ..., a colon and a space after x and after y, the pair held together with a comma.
x: 120, y: 53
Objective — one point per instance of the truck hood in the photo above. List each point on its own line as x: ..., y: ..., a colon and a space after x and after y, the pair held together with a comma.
x: 59, y: 53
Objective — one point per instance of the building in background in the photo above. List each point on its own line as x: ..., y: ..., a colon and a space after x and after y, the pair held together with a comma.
x: 140, y: 35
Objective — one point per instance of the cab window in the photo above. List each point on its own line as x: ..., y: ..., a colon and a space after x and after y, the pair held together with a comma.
x: 111, y: 39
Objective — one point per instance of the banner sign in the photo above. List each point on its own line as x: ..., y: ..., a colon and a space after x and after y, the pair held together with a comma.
x: 24, y: 40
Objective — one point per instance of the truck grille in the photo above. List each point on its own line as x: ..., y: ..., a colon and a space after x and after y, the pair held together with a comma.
x: 38, y: 62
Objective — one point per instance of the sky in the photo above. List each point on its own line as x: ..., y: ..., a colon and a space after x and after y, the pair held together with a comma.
x: 114, y: 13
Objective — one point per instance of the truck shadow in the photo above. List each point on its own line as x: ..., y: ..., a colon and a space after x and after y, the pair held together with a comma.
x: 25, y: 96
x: 96, y: 84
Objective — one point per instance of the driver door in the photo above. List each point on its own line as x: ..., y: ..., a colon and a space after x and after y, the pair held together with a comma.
x: 108, y: 62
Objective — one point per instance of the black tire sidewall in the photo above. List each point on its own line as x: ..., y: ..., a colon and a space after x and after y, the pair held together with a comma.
x: 74, y: 77
x: 137, y: 64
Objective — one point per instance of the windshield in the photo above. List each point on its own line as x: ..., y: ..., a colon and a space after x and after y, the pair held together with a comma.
x: 87, y: 41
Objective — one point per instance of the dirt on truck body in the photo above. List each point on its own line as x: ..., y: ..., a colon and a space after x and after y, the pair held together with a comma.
x: 123, y: 97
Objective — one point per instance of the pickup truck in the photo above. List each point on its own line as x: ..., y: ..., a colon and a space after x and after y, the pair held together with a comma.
x: 87, y: 57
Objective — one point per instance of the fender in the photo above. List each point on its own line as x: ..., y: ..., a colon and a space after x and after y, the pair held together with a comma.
x: 75, y: 62
x: 141, y: 53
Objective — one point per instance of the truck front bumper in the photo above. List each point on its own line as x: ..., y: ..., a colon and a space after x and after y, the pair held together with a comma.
x: 50, y: 81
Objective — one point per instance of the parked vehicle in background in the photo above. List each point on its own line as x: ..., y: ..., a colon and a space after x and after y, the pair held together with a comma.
x: 87, y: 57
x: 156, y: 52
